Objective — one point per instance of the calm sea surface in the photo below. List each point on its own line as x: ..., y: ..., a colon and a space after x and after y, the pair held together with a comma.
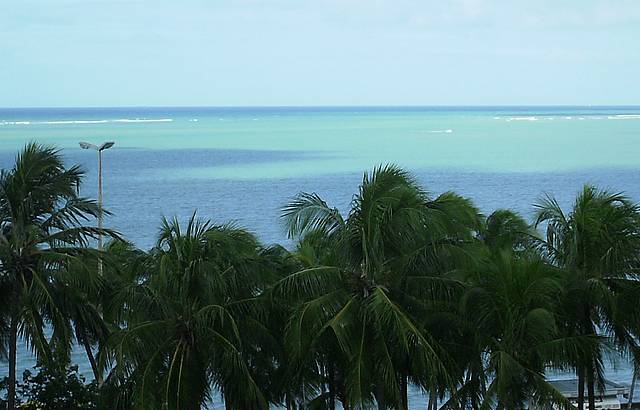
x: 243, y: 164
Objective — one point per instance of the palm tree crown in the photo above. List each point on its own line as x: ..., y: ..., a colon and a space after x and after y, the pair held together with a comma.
x: 182, y: 335
x: 42, y: 229
x: 357, y: 295
x: 598, y: 245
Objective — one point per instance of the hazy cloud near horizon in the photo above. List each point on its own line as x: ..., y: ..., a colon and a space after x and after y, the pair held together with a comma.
x: 324, y: 52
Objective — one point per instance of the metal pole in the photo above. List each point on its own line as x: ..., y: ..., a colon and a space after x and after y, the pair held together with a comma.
x: 102, y: 147
x: 100, y: 209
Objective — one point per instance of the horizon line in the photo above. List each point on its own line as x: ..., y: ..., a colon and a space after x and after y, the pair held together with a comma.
x: 327, y: 106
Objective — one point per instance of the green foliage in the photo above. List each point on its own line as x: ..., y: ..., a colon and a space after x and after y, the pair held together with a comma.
x: 55, y: 389
x: 183, y: 332
x: 510, y: 303
x: 43, y: 231
x: 597, y: 244
x: 353, y: 298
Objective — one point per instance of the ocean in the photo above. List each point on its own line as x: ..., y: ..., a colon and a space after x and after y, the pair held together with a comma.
x: 244, y: 164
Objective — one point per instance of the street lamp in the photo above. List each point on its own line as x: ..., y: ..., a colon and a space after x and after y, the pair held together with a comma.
x: 104, y: 146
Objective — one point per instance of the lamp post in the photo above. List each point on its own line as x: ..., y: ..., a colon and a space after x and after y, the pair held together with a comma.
x: 104, y: 146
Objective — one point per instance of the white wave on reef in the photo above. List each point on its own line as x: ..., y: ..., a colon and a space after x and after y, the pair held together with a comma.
x: 447, y: 131
x: 624, y: 117
x: 571, y: 118
x: 144, y: 120
x: 72, y: 122
x: 15, y: 122
x: 522, y: 119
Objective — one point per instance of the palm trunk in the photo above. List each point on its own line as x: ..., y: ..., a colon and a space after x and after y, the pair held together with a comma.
x: 13, y: 347
x: 332, y: 386
x: 634, y: 379
x: 404, y: 393
x: 342, y: 391
x: 432, y: 400
x: 380, y: 399
x: 94, y: 366
x: 580, y: 387
x: 591, y: 390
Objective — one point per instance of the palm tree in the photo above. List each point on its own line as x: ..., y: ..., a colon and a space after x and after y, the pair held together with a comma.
x: 597, y: 244
x: 42, y: 228
x: 500, y: 232
x: 511, y: 306
x: 263, y: 329
x: 76, y: 290
x: 374, y: 267
x: 182, y: 318
x: 493, y: 327
x: 317, y: 380
x: 86, y: 294
x: 506, y: 230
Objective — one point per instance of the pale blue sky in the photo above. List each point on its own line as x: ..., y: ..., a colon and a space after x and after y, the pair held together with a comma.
x: 321, y: 52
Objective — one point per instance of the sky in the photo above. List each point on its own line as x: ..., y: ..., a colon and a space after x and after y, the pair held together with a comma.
x: 319, y: 52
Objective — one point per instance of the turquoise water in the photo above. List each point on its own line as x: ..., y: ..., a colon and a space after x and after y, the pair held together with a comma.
x: 244, y: 164
x: 351, y: 139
